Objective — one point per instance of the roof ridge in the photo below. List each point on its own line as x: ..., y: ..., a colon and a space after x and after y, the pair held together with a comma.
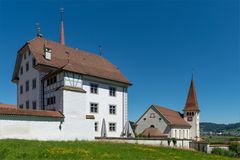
x: 165, y: 108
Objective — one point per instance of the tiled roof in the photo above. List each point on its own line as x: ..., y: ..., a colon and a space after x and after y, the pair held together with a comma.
x: 153, y: 132
x: 13, y: 110
x: 7, y: 106
x: 74, y: 60
x: 191, y: 103
x: 173, y: 117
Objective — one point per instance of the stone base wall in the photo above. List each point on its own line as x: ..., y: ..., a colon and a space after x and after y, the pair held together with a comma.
x: 180, y: 143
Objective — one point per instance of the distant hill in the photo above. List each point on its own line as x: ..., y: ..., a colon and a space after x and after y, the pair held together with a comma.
x: 226, y: 129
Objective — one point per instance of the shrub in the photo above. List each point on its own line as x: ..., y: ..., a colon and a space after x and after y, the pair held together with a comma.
x: 223, y: 152
x: 235, y: 147
x: 174, y: 141
x: 168, y: 141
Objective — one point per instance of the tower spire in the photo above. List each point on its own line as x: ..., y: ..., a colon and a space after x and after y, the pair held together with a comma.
x: 62, y: 41
x: 191, y: 103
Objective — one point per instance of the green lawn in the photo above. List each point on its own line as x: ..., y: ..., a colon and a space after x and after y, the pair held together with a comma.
x: 21, y: 149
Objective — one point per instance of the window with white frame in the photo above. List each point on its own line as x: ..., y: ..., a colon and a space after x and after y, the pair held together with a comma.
x: 96, y: 126
x: 112, y: 109
x: 112, y: 127
x: 52, y: 80
x: 27, y: 104
x: 27, y: 66
x: 33, y: 62
x: 34, y: 105
x: 51, y: 100
x: 21, y: 70
x: 34, y: 83
x: 27, y: 86
x: 93, y: 107
x: 94, y: 88
x: 21, y: 89
x: 112, y: 91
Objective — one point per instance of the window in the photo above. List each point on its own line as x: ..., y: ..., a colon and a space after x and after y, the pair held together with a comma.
x: 112, y: 127
x: 27, y: 104
x: 33, y: 62
x: 112, y: 109
x: 25, y: 56
x: 34, y: 105
x: 94, y: 108
x: 51, y: 100
x: 52, y: 80
x: 34, y: 83
x: 160, y: 119
x: 152, y: 126
x: 96, y: 126
x: 21, y: 89
x: 94, y: 88
x: 112, y: 91
x: 152, y: 115
x: 189, y: 119
x: 27, y: 66
x: 21, y: 106
x: 21, y: 70
x: 27, y: 86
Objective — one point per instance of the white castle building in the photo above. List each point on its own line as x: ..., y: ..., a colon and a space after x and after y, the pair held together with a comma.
x: 65, y: 93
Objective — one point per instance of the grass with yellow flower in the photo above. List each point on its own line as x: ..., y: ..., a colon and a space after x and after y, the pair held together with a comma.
x: 84, y: 150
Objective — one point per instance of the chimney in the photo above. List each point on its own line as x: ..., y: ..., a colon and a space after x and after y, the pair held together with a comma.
x: 62, y: 41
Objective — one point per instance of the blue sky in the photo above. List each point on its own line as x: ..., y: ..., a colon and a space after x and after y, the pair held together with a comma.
x: 154, y: 43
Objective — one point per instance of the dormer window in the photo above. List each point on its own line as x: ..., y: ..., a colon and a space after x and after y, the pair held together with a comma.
x: 48, y: 53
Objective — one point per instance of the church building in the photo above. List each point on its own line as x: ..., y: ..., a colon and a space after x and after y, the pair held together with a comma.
x: 160, y: 121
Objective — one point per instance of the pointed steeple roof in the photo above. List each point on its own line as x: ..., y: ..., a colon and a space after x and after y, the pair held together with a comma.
x: 62, y: 41
x: 191, y: 103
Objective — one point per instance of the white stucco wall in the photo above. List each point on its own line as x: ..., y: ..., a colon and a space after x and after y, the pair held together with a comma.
x: 104, y: 100
x: 195, y: 129
x: 180, y: 143
x: 32, y: 94
x: 146, y: 121
x: 180, y: 133
x: 71, y: 129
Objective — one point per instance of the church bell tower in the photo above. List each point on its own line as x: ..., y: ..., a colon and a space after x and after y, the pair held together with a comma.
x: 192, y: 112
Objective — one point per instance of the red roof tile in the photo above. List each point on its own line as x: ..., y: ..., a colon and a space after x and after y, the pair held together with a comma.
x: 12, y: 110
x: 172, y: 116
x: 191, y: 103
x: 7, y: 106
x: 75, y: 60
x: 153, y: 132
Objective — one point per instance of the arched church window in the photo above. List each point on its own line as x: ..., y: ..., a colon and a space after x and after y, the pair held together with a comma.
x: 192, y: 113
x: 152, y: 126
